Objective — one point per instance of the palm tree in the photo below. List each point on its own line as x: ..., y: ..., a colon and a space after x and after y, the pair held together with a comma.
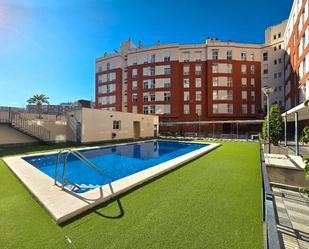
x: 38, y: 100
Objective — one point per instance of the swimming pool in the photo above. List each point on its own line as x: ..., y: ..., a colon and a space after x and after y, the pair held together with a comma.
x: 116, y: 161
x: 129, y: 166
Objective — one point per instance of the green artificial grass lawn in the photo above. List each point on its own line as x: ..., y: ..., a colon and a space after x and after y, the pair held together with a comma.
x: 212, y: 202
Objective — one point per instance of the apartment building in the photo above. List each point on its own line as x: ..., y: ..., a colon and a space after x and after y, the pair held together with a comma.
x: 272, y: 60
x: 296, y: 39
x: 211, y: 81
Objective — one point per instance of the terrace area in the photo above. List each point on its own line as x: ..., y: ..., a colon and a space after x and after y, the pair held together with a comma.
x: 211, y: 202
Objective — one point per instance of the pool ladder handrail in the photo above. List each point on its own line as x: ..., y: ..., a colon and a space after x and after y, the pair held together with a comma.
x: 81, y: 157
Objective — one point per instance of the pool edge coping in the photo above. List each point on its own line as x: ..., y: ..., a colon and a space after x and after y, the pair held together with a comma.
x: 62, y: 205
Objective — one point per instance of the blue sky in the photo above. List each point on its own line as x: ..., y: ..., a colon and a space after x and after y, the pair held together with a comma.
x: 50, y: 47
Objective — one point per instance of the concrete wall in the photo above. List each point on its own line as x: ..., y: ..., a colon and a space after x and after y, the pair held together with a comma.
x: 287, y: 176
x: 11, y: 136
x: 56, y: 124
x: 97, y: 125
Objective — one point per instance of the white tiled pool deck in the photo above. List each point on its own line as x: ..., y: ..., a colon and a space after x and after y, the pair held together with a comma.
x: 64, y: 205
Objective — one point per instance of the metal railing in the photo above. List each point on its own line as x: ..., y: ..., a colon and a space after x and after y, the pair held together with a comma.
x: 271, y: 241
x: 23, y: 124
x: 78, y: 155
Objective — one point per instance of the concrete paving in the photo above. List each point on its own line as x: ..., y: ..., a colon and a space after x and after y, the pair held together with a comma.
x: 283, y: 161
x: 292, y: 210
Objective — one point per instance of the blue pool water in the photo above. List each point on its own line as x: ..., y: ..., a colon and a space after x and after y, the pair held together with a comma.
x: 117, y: 161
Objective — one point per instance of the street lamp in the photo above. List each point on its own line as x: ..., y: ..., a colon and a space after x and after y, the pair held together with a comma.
x: 267, y: 90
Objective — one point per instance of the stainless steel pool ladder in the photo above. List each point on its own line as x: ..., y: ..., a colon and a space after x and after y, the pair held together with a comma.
x: 81, y: 157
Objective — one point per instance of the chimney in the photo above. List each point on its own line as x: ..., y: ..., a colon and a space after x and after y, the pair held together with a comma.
x: 158, y: 42
x: 140, y: 45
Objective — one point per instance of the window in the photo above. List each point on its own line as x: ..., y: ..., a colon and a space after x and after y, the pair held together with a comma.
x: 274, y: 37
x: 198, y: 96
x: 222, y: 108
x: 252, y: 69
x: 215, y: 68
x: 252, y: 83
x: 265, y: 56
x: 153, y: 71
x: 167, y: 58
x: 230, y: 108
x: 244, y: 82
x: 145, y: 109
x: 152, y: 97
x: 279, y: 47
x: 186, y: 56
x: 198, y: 82
x: 146, y: 71
x: 280, y: 88
x: 279, y: 75
x: 116, y: 124
x: 99, y: 69
x: 275, y: 62
x: 244, y: 109
x: 134, y: 85
x: 167, y: 84
x: 108, y: 89
x: 100, y: 79
x: 198, y: 56
x: 167, y: 96
x: 215, y: 54
x: 229, y: 55
x: 252, y: 56
x: 215, y: 95
x: 215, y: 81
x: 275, y: 48
x: 108, y: 66
x: 145, y: 84
x: 243, y: 69
x: 134, y: 98
x: 265, y: 68
x: 229, y: 81
x: 134, y: 72
x: 167, y: 70
x: 186, y: 109
x: 153, y: 83
x: 279, y: 60
x: 145, y: 58
x: 186, y: 70
x: 152, y: 109
x: 244, y: 95
x: 186, y: 96
x: 279, y: 35
x: 198, y: 110
x: 198, y: 69
x: 186, y: 83
x: 244, y: 56
x: 145, y: 98
x: 108, y: 77
x: 153, y: 58
x: 229, y: 68
x: 252, y: 96
x: 215, y: 108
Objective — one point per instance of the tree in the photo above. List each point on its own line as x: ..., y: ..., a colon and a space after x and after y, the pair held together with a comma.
x: 275, y: 123
x: 38, y: 100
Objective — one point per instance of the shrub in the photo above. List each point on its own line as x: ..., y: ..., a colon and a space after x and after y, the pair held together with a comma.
x: 275, y: 123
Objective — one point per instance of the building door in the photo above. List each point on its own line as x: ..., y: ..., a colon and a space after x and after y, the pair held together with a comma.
x: 226, y: 128
x: 155, y: 129
x: 136, y: 129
